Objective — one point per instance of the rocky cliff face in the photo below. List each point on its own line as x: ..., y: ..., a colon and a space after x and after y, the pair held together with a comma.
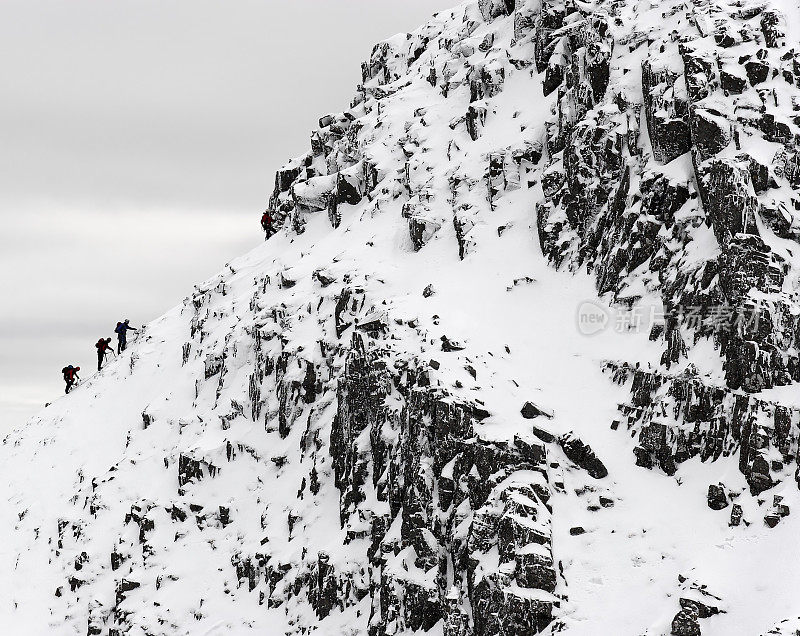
x: 386, y: 420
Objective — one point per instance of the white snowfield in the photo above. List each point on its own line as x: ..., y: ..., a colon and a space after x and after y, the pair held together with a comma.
x: 127, y: 506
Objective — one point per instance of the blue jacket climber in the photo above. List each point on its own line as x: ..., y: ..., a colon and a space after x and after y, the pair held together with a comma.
x: 122, y: 334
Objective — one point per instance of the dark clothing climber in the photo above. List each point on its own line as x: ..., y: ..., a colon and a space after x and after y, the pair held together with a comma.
x: 122, y: 334
x: 103, y: 348
x: 268, y: 224
x: 70, y: 375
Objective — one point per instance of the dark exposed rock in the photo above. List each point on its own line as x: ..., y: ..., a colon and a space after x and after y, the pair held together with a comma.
x: 749, y: 262
x: 736, y: 515
x: 324, y: 277
x: 530, y: 410
x: 759, y: 173
x: 757, y: 71
x: 476, y: 118
x: 451, y: 345
x: 773, y: 26
x: 456, y: 620
x: 711, y: 132
x: 777, y: 512
x: 543, y: 435
x: 188, y: 469
x: 730, y: 203
x: 554, y: 75
x: 116, y: 559
x: 717, y: 497
x: 583, y: 455
x: 284, y: 282
x: 772, y: 519
x: 310, y: 383
x: 703, y: 609
x: 686, y: 622
x: 341, y: 306
x: 491, y: 9
x: 420, y: 230
x: 373, y: 324
x: 123, y: 587
x: 224, y: 515
x: 535, y: 572
x: 775, y: 130
x: 213, y: 365
x: 732, y: 83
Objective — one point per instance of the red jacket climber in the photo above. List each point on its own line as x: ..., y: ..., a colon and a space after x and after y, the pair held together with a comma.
x: 70, y: 375
x: 103, y: 347
x: 267, y: 224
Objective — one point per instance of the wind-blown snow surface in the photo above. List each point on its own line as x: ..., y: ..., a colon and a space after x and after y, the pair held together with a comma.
x: 189, y: 487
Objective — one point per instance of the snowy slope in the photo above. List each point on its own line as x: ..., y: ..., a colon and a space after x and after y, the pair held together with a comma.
x: 329, y: 435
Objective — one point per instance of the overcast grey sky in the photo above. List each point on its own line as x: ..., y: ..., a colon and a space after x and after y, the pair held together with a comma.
x: 138, y: 144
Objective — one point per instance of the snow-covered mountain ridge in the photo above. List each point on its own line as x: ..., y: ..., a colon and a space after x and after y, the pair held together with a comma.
x: 334, y: 434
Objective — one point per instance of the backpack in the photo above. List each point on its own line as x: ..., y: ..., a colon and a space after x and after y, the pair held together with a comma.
x: 64, y: 371
x: 101, y: 344
x: 120, y: 328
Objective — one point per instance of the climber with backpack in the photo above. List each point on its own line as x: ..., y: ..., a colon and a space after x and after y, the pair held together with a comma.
x: 70, y: 375
x: 267, y: 224
x: 103, y: 348
x: 122, y: 334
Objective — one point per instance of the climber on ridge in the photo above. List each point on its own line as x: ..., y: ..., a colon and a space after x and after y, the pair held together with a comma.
x: 70, y: 375
x: 267, y: 224
x: 122, y: 334
x: 103, y: 348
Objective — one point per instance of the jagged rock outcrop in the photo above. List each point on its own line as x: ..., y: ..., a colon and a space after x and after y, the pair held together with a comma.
x: 680, y: 417
x: 599, y: 209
